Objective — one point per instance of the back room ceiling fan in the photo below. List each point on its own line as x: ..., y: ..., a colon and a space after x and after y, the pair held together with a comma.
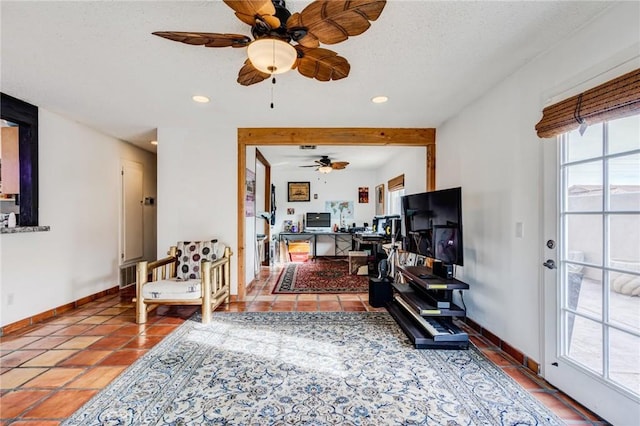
x: 325, y: 165
x: 274, y: 28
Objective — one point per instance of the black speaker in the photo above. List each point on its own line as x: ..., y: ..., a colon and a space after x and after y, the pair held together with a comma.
x: 443, y: 270
x: 380, y: 292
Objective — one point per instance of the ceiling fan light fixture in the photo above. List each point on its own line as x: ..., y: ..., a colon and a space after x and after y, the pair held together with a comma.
x: 272, y: 56
x: 325, y: 169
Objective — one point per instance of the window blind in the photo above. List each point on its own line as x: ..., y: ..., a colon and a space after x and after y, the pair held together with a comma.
x: 616, y: 98
x: 396, y: 184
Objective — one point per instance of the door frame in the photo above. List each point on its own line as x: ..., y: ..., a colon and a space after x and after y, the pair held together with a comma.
x: 410, y: 137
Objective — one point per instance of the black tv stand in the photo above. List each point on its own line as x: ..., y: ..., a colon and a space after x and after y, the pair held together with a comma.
x: 424, y: 309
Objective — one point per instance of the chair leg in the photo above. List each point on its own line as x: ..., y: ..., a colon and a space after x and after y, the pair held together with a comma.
x: 205, y: 276
x: 141, y: 279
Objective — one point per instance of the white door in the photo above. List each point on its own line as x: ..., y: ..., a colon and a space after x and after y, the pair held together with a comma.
x: 132, y: 242
x: 592, y: 296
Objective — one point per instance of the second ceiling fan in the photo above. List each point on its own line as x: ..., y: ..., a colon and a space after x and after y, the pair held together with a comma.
x: 274, y: 28
x: 325, y: 165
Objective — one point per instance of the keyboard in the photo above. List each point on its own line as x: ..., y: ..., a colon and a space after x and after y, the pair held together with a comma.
x: 438, y: 330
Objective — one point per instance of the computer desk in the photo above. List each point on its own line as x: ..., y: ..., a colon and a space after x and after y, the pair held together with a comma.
x: 338, y: 237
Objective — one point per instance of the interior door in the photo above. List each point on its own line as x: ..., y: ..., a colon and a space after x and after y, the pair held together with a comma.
x: 132, y: 239
x: 592, y: 244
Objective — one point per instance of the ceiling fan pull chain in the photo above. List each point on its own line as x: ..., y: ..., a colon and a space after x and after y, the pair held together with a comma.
x: 273, y: 83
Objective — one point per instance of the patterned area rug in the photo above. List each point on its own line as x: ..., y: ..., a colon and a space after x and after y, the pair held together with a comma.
x: 320, y: 276
x: 299, y: 368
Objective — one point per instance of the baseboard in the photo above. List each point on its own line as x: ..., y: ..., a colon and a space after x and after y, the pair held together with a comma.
x: 520, y: 357
x: 35, y: 319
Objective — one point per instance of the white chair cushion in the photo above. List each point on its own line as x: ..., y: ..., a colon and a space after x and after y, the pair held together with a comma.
x: 172, y: 289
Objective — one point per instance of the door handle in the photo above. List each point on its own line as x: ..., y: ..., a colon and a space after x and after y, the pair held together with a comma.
x: 549, y: 264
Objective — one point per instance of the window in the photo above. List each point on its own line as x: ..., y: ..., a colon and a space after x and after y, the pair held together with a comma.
x: 600, y: 250
x: 395, y: 193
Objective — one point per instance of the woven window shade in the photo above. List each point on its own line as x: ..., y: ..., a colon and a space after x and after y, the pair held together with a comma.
x: 396, y: 184
x: 617, y: 98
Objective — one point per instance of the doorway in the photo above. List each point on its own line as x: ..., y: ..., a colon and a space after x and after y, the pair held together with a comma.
x: 319, y: 136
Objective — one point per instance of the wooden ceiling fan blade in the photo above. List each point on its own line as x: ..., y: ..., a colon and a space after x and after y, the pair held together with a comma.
x: 339, y: 165
x: 250, y: 10
x: 249, y: 75
x: 206, y: 39
x: 322, y: 64
x: 331, y: 22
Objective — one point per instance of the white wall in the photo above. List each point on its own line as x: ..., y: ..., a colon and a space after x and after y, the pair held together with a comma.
x: 79, y: 187
x: 492, y: 151
x: 197, y: 188
x: 410, y: 161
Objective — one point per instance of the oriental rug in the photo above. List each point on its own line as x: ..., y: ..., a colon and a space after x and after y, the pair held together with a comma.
x: 308, y: 368
x: 320, y: 276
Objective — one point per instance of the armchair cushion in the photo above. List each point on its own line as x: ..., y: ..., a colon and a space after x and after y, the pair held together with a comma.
x: 172, y: 289
x: 191, y: 253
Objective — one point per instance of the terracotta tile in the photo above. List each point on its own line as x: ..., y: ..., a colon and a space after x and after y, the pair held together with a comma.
x: 96, y: 377
x: 328, y: 298
x: 86, y: 357
x: 114, y: 311
x: 123, y: 357
x: 102, y: 330
x: 111, y: 342
x: 36, y: 423
x: 354, y: 308
x: 97, y: 319
x: 16, y: 358
x: 7, y: 343
x: 329, y: 306
x: 54, y: 378
x: 496, y: 357
x: 170, y: 320
x: 60, y: 405
x: 17, y: 376
x: 80, y: 342
x: 16, y: 327
x: 130, y: 329
x: 523, y: 379
x: 45, y: 330
x: 289, y: 297
x: 47, y: 342
x: 349, y: 297
x: 73, y: 330
x: 16, y: 402
x: 65, y: 320
x: 50, y: 358
x: 586, y: 413
x: 557, y: 406
x: 121, y: 319
x: 283, y: 306
x: 160, y: 330
x: 259, y: 307
x: 144, y: 342
x: 480, y: 342
x: 88, y: 311
x: 307, y: 297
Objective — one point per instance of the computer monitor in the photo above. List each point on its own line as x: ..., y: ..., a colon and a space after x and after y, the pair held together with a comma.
x: 317, y: 222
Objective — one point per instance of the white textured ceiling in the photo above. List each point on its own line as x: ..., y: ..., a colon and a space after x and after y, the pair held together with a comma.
x: 97, y: 63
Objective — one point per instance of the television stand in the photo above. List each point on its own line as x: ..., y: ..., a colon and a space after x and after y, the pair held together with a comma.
x: 424, y: 309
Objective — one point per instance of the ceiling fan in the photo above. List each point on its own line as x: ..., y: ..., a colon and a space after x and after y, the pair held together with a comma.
x: 325, y: 165
x: 274, y: 28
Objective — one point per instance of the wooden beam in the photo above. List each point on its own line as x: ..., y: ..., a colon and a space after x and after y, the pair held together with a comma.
x: 322, y: 136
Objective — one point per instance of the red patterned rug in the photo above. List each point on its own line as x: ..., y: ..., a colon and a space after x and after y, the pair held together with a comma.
x: 320, y: 276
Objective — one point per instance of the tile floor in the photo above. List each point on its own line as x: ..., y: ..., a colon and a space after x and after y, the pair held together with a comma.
x: 51, y: 369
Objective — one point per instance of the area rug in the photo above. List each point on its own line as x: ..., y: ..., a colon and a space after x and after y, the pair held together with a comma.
x: 304, y: 368
x: 320, y: 276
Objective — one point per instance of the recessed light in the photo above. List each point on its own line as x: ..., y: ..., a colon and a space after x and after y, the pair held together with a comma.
x: 154, y: 142
x: 201, y: 99
x: 379, y: 99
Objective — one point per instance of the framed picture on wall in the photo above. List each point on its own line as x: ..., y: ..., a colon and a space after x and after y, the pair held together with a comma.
x: 380, y: 199
x: 298, y: 191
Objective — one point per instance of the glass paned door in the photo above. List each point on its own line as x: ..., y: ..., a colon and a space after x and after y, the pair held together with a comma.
x: 597, y: 311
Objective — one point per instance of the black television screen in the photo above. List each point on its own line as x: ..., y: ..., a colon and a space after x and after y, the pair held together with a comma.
x: 433, y: 224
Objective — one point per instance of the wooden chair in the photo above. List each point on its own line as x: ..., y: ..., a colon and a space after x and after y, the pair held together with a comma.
x: 194, y: 273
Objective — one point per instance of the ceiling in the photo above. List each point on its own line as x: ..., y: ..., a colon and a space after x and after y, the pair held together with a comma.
x: 97, y: 63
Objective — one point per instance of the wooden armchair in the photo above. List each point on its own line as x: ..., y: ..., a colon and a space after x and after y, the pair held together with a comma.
x: 194, y: 273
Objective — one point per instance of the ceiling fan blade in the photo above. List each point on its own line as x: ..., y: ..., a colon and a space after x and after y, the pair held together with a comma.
x: 206, y: 39
x: 339, y: 165
x: 331, y: 22
x: 322, y: 64
x: 249, y: 75
x: 248, y: 11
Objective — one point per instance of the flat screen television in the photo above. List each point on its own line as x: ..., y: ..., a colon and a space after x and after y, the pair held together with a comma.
x: 433, y: 224
x: 317, y: 222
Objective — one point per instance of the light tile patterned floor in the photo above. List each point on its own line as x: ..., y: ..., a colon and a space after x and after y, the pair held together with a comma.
x: 50, y: 369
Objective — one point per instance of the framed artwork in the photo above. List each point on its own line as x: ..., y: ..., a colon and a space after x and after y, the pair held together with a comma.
x: 363, y: 194
x: 380, y: 199
x: 298, y: 191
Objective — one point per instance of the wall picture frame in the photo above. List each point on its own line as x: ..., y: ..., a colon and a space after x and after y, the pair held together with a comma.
x: 380, y: 199
x: 298, y: 191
